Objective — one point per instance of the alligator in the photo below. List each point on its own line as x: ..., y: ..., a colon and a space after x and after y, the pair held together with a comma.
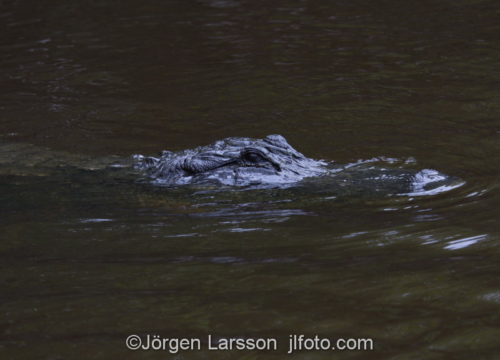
x: 231, y: 163
x: 273, y: 163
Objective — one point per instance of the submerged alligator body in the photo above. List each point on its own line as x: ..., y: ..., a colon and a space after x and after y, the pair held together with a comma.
x: 232, y: 163
x: 273, y: 163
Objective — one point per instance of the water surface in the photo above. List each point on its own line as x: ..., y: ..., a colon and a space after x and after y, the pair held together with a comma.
x: 86, y: 262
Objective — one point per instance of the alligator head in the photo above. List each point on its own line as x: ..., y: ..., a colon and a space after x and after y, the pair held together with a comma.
x: 234, y: 161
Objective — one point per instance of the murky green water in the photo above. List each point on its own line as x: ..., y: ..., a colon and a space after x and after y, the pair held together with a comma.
x: 86, y: 261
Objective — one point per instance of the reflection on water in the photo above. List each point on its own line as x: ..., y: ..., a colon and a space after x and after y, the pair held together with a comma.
x: 89, y: 260
x: 461, y: 243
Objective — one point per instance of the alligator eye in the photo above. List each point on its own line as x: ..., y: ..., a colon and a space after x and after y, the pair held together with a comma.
x: 253, y: 157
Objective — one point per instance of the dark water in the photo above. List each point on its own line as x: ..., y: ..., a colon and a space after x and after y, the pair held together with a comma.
x: 84, y: 263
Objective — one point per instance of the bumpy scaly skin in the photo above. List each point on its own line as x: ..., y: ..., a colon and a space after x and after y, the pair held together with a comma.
x: 234, y: 161
x: 272, y: 162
